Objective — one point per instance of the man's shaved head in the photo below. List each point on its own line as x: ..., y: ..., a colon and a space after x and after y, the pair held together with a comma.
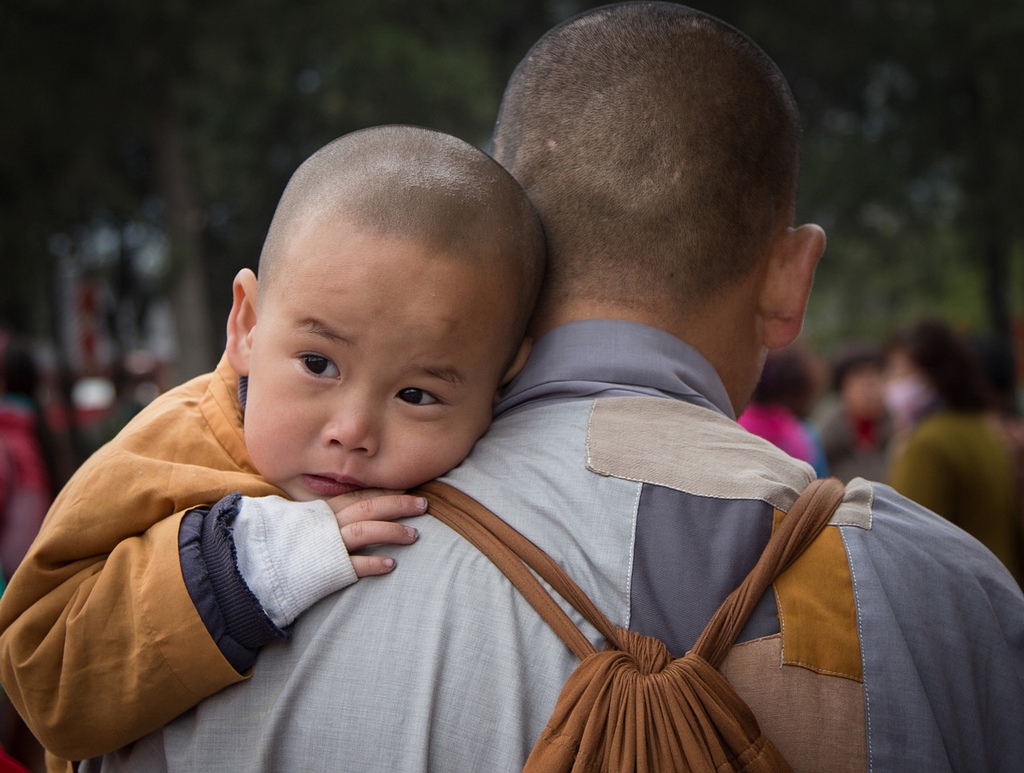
x: 660, y: 147
x: 411, y: 183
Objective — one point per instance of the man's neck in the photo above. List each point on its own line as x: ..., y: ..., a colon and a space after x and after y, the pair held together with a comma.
x: 725, y: 335
x: 580, y: 310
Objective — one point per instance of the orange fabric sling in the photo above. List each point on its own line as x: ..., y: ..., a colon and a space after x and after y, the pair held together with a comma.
x: 633, y: 707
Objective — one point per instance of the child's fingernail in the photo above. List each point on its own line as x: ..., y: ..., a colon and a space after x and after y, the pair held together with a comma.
x: 413, y: 534
x: 421, y: 503
x: 389, y: 564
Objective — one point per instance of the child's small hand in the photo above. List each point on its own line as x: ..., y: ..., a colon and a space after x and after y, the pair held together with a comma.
x: 364, y: 519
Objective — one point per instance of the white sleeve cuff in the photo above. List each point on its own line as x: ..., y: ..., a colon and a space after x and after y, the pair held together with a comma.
x: 290, y: 554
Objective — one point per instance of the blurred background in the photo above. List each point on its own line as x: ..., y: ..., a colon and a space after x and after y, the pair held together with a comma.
x: 143, y: 147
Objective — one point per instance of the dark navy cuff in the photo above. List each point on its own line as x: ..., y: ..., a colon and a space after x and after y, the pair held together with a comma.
x: 229, y: 609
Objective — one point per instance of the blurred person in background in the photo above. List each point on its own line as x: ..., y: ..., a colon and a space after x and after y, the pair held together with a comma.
x: 1000, y: 366
x: 25, y: 496
x: 949, y: 453
x: 784, y: 396
x: 854, y: 425
x: 998, y: 362
x: 25, y: 478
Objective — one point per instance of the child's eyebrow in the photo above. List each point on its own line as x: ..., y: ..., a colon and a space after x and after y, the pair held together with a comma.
x: 318, y: 328
x: 446, y: 373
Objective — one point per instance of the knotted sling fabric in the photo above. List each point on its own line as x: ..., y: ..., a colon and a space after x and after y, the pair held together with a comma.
x: 633, y: 707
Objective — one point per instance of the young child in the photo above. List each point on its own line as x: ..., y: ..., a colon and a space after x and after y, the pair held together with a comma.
x: 394, y: 288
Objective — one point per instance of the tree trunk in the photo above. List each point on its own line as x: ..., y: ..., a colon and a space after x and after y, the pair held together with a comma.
x: 997, y: 287
x: 184, y: 219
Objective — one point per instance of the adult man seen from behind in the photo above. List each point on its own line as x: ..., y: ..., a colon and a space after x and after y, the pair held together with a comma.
x: 660, y: 147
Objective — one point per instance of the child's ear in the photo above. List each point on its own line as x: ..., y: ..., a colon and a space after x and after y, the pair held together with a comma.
x: 242, y: 321
x: 517, y: 364
x: 787, y: 283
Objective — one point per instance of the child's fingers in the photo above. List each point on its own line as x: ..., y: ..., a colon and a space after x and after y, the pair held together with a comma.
x: 350, y: 509
x: 361, y: 534
x: 368, y: 566
x: 342, y: 501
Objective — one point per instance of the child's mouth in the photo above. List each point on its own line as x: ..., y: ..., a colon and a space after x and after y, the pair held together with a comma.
x: 328, y: 486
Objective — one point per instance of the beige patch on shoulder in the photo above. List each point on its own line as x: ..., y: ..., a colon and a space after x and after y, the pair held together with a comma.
x: 699, y: 451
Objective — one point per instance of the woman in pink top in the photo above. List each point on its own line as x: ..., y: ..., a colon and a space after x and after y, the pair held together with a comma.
x: 784, y: 395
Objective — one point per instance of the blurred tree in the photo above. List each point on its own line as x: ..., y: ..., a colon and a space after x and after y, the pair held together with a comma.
x: 912, y: 153
x: 191, y: 115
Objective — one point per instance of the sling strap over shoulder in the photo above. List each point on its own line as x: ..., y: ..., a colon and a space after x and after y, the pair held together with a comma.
x: 633, y: 707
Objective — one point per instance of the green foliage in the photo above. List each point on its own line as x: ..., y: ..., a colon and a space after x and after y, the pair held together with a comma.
x: 912, y: 155
x: 247, y: 89
x: 912, y: 118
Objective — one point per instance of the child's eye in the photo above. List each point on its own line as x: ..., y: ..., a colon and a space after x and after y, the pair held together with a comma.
x: 319, y: 366
x: 417, y: 397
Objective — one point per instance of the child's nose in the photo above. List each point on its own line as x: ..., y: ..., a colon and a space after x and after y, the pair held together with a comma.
x: 354, y: 429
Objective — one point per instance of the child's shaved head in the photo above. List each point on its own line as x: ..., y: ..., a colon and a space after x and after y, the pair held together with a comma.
x: 420, y: 185
x: 653, y: 124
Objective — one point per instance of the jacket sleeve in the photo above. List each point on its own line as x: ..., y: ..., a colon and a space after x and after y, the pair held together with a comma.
x: 101, y: 650
x: 100, y: 639
x: 129, y: 607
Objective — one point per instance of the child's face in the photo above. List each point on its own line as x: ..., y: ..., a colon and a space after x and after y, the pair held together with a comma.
x: 372, y: 362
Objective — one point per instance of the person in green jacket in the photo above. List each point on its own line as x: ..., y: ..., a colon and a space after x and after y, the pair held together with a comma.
x: 950, y: 455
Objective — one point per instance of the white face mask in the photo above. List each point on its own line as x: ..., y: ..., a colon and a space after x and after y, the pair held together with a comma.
x: 907, y: 397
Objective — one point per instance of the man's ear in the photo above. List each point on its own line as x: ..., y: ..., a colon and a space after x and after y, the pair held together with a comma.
x: 242, y: 321
x: 787, y: 283
x: 517, y: 364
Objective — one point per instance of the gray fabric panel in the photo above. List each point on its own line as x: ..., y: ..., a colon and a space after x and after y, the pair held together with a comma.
x: 691, y: 552
x: 942, y: 636
x: 545, y: 491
